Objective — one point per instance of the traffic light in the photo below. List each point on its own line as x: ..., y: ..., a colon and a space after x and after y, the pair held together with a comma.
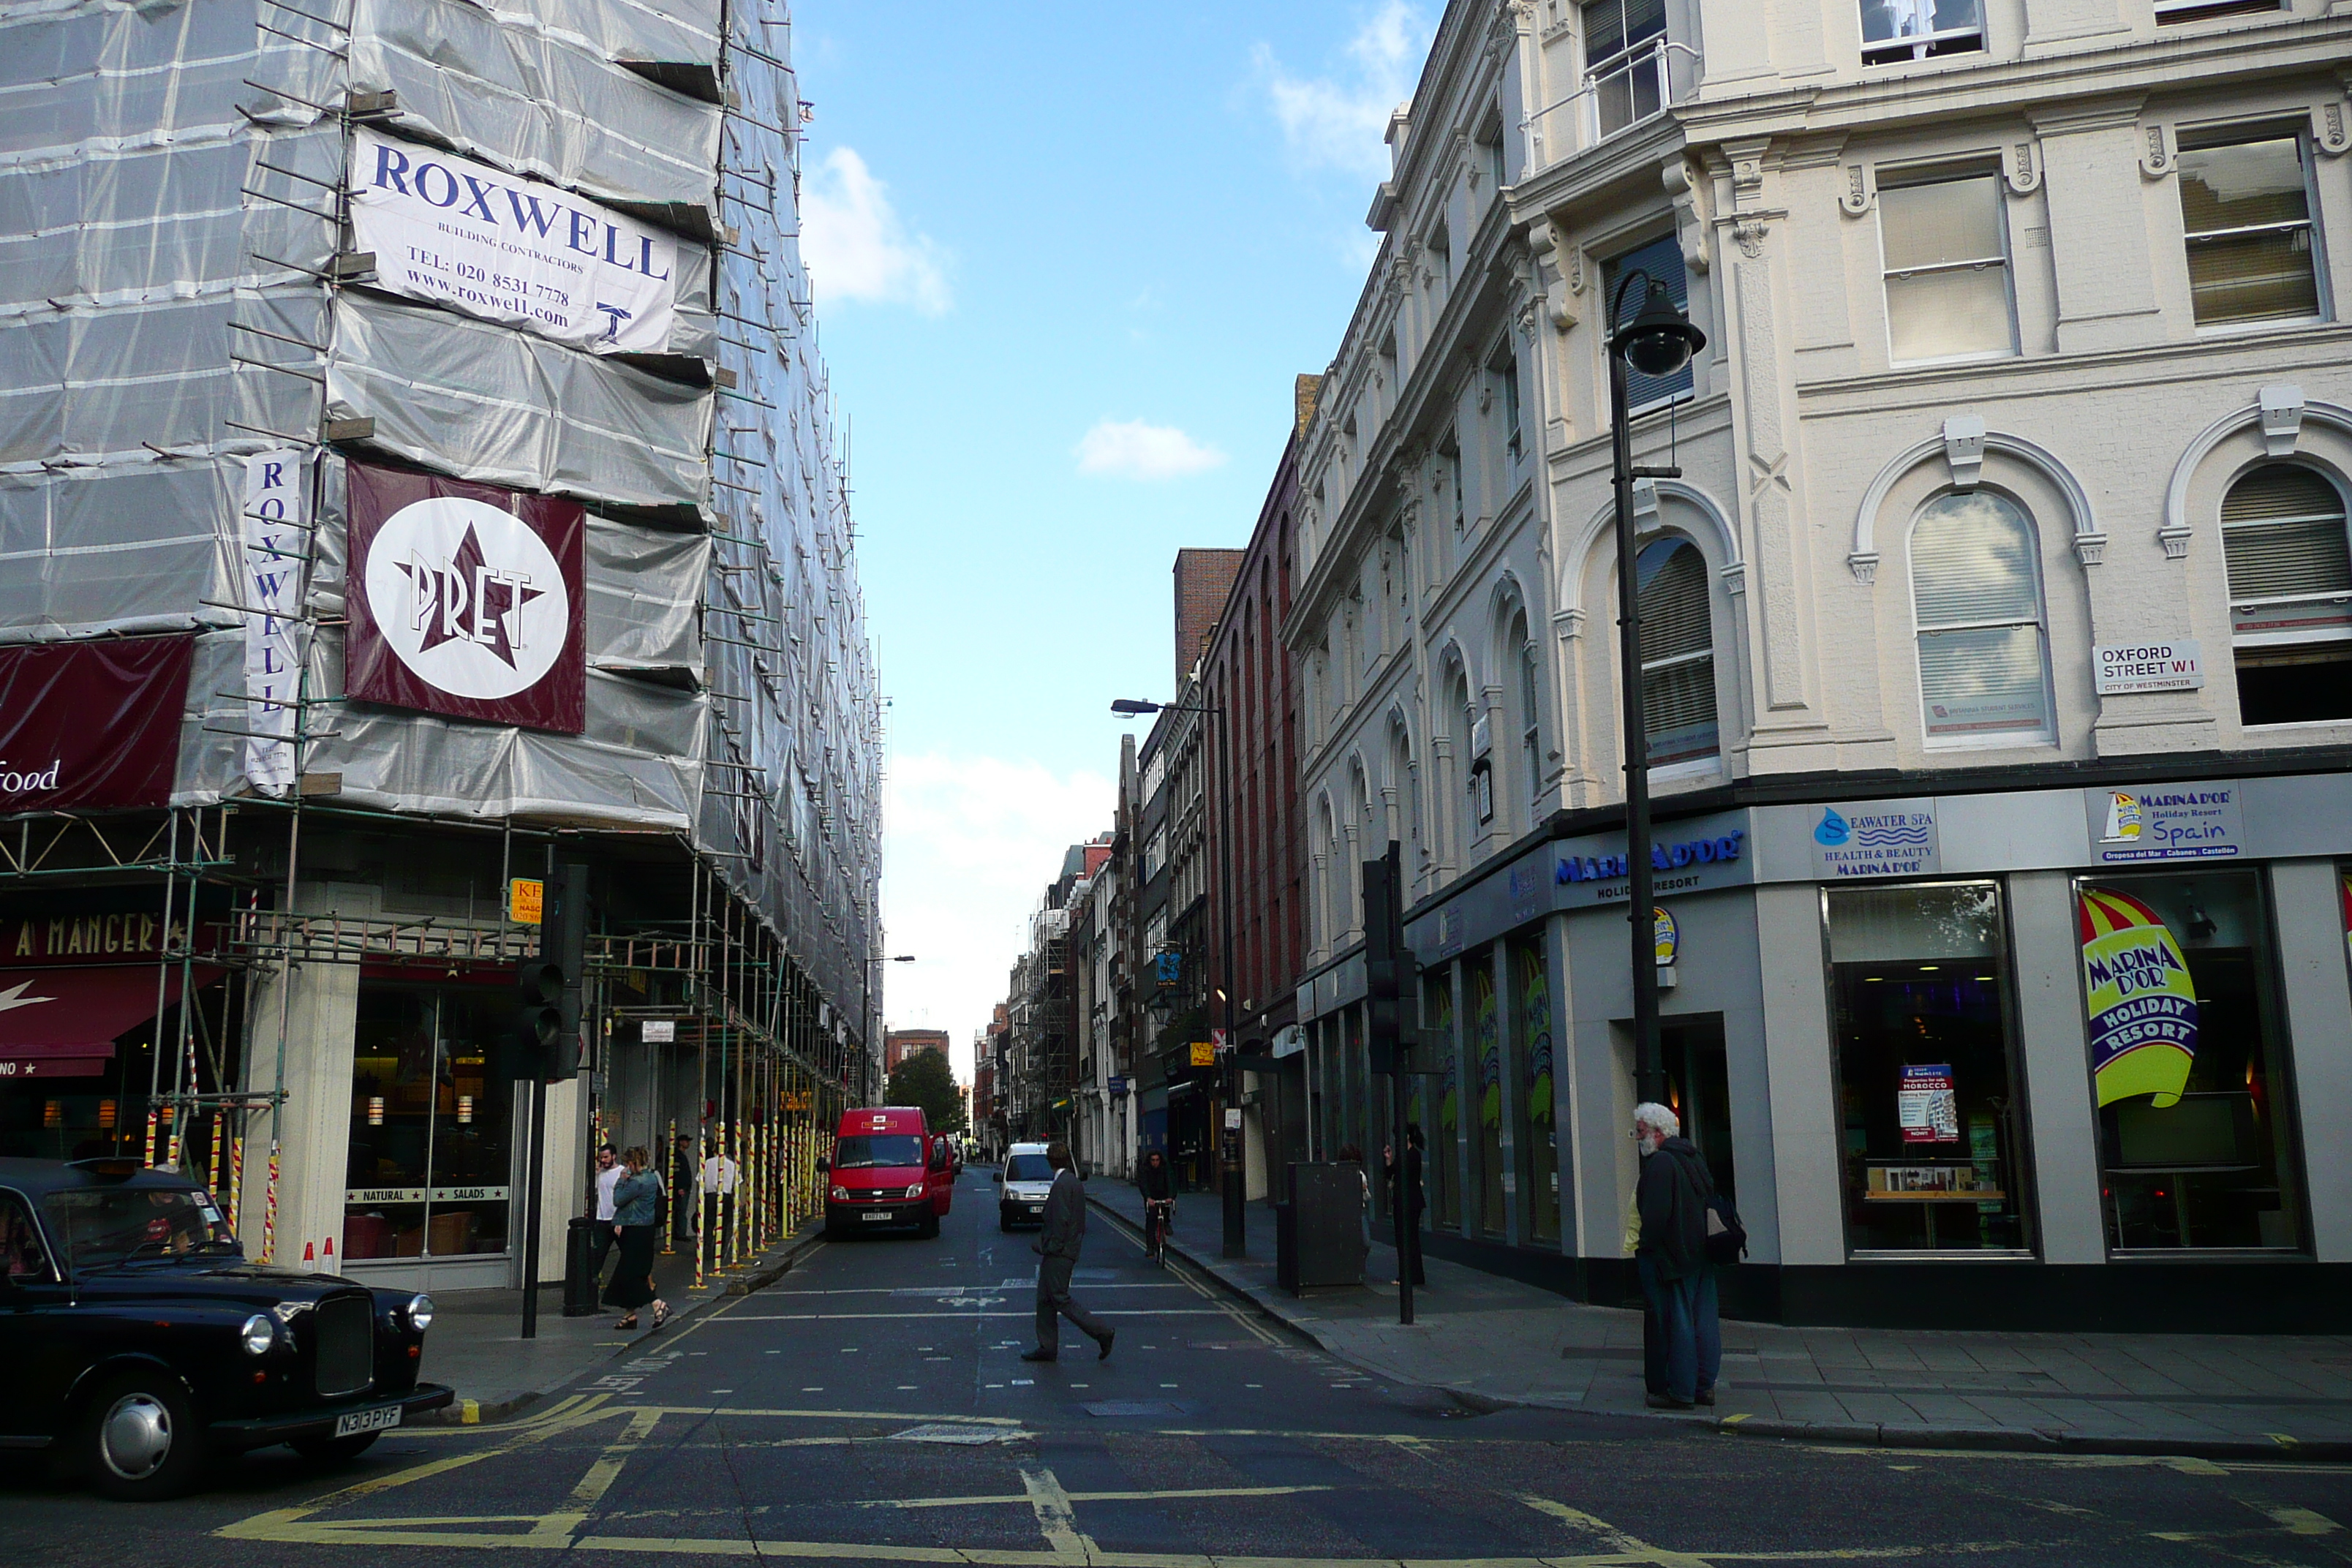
x: 1385, y: 960
x: 528, y: 1050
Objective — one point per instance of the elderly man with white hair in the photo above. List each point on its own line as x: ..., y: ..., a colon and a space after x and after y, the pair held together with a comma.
x: 1670, y: 1209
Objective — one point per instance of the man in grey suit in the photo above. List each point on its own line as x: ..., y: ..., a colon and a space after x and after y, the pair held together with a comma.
x: 1057, y: 1244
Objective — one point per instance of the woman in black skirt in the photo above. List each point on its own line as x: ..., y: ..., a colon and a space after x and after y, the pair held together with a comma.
x: 636, y: 1207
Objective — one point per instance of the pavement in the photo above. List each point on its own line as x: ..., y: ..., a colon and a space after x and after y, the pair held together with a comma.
x: 872, y: 1408
x: 1498, y: 1342
x: 477, y: 1347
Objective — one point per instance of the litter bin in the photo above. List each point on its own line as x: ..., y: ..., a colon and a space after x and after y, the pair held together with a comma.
x: 1324, y: 1245
x: 580, y: 1267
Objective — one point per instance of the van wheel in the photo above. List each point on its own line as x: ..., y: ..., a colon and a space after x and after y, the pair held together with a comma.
x: 1004, y: 1222
x: 138, y: 1439
x: 930, y: 1227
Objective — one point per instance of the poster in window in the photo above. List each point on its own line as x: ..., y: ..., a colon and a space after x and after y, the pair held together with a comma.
x: 1927, y: 1107
x: 2142, y: 1002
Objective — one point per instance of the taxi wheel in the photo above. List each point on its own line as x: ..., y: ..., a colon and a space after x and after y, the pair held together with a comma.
x: 138, y: 1439
x: 334, y: 1450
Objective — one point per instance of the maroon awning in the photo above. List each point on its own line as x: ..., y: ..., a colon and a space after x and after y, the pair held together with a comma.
x: 52, y: 1013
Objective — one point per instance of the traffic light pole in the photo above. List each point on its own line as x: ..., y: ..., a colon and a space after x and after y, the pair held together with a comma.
x: 1389, y: 1045
x: 533, y: 1182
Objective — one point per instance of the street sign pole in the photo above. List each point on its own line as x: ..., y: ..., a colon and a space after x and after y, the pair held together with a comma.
x: 1388, y: 1045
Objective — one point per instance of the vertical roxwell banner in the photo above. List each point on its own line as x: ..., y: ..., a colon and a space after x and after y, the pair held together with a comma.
x: 466, y: 600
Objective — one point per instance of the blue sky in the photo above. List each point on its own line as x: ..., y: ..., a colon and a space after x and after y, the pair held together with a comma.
x: 1067, y: 260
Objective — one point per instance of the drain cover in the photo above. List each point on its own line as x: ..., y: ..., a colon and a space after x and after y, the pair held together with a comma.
x: 1133, y: 1407
x: 946, y: 1432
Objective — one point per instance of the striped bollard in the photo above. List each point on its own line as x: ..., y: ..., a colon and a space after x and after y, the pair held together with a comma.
x: 269, y: 1208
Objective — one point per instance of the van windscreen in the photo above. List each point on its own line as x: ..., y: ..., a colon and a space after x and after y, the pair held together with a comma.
x: 881, y: 1149
x: 1028, y: 1168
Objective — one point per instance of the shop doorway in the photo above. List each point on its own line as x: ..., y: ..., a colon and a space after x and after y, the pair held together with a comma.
x: 1699, y: 1089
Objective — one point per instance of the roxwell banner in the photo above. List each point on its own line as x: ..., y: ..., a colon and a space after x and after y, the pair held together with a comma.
x: 92, y: 724
x: 456, y: 232
x: 467, y: 600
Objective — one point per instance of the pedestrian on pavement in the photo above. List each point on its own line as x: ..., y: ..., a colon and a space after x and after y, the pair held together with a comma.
x: 609, y: 1171
x: 715, y: 1183
x: 683, y: 1219
x: 1410, y: 1198
x: 637, y: 1206
x: 1671, y: 1202
x: 1350, y: 1154
x: 1057, y: 1244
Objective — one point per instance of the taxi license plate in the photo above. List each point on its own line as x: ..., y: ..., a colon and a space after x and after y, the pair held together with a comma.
x: 359, y: 1421
x: 875, y: 1214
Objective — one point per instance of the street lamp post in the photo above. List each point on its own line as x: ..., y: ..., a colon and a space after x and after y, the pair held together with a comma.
x: 1229, y: 1142
x: 865, y: 1018
x: 1658, y: 342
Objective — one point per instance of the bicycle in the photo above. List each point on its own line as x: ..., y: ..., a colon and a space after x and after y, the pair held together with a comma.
x: 1159, y: 1214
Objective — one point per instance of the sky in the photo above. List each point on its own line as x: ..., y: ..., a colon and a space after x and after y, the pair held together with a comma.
x: 1067, y: 260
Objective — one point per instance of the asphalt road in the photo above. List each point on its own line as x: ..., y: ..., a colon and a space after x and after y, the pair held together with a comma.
x: 873, y: 1408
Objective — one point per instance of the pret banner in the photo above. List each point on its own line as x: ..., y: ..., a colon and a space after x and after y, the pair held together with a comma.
x: 94, y: 724
x: 466, y: 600
x: 533, y: 256
x: 2141, y: 1000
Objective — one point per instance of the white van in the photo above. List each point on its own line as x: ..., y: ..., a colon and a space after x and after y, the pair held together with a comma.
x: 1021, y: 1184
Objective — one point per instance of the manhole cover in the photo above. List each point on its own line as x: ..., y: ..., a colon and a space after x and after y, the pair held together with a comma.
x: 1133, y: 1407
x: 946, y: 1432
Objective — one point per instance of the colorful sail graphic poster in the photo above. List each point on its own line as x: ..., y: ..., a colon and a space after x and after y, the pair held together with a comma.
x: 2141, y: 1001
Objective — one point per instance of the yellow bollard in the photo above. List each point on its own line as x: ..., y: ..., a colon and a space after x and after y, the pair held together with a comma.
x: 269, y: 1209
x: 701, y: 1230
x: 213, y: 1183
x: 668, y: 1154
x: 237, y: 1182
x: 149, y: 1158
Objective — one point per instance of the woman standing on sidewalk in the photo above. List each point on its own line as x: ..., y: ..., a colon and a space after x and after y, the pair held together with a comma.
x: 637, y: 1206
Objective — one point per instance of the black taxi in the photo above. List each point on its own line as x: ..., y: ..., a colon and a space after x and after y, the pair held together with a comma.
x: 137, y: 1339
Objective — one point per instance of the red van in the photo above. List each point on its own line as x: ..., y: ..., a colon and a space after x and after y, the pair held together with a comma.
x: 888, y: 1168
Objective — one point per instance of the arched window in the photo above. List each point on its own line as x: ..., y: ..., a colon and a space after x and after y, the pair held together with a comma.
x: 1677, y: 652
x: 1975, y: 594
x: 1531, y: 716
x: 2282, y: 535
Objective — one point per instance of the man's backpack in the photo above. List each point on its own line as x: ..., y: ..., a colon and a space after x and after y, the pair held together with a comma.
x: 1726, y: 1239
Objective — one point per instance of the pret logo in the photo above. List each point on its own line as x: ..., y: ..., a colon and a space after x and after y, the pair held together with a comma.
x: 469, y: 598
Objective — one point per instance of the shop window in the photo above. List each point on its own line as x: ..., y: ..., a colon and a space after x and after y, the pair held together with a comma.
x: 1662, y: 261
x: 431, y: 1125
x: 1946, y: 267
x: 1538, y: 1139
x: 1441, y: 1165
x: 1530, y: 717
x: 1976, y: 590
x: 1624, y: 61
x: 2289, y: 567
x: 2245, y: 214
x: 1670, y: 594
x: 2187, y: 1054
x: 1894, y: 30
x: 1485, y: 1061
x: 1926, y: 1069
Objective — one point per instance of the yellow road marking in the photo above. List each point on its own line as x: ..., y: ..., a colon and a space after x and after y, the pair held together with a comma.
x: 1626, y: 1547
x: 555, y: 1528
x: 1054, y: 1516
x: 2299, y: 1520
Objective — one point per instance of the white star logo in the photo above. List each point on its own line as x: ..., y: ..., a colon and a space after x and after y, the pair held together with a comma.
x: 14, y: 997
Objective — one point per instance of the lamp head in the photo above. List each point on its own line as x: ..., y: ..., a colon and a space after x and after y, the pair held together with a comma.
x: 1660, y: 339
x: 1129, y: 707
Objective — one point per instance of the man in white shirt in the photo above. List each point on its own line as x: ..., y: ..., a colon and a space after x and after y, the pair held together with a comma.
x: 609, y: 1172
x: 717, y: 1181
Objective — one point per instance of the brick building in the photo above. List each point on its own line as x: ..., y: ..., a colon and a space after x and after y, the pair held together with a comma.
x: 1203, y: 579
x: 898, y: 1044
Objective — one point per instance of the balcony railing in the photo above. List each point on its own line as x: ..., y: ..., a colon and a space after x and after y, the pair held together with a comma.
x: 1625, y: 91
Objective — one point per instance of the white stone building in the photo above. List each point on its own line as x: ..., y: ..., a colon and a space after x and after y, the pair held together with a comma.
x: 2006, y: 576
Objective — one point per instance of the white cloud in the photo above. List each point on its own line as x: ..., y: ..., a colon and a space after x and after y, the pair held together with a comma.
x: 857, y: 247
x: 970, y: 843
x: 1132, y: 449
x: 1340, y: 121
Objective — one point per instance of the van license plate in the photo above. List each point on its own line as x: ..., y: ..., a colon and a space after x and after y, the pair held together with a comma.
x: 875, y: 1214
x: 359, y: 1421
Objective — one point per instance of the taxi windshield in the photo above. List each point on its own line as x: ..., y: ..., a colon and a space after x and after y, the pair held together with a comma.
x: 101, y: 1226
x: 880, y: 1149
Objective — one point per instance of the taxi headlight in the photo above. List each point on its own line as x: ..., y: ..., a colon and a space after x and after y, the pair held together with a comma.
x: 841, y: 1195
x: 258, y: 1335
x: 915, y: 1191
x: 420, y: 1312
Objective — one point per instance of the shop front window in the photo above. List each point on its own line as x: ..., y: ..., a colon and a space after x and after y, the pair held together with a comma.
x: 1538, y: 1138
x: 431, y: 1123
x: 1487, y: 1062
x: 1926, y: 1074
x: 1440, y: 1169
x: 2187, y: 1055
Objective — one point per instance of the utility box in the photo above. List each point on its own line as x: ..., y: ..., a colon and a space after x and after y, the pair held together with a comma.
x: 1319, y: 1229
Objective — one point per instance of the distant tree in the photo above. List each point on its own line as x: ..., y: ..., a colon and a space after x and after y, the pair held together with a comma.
x: 923, y: 1080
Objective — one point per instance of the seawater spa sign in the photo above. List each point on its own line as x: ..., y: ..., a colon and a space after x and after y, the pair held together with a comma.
x: 1886, y: 838
x: 2166, y: 822
x: 456, y: 232
x: 2141, y: 998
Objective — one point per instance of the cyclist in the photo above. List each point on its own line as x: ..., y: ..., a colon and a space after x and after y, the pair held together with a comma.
x: 1159, y: 1204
